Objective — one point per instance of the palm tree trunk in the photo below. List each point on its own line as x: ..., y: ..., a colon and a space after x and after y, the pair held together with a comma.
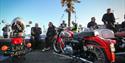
x: 69, y: 18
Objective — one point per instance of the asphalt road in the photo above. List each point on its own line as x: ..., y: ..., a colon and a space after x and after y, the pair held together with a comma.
x: 50, y: 57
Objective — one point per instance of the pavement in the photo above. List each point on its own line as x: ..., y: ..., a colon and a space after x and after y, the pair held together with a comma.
x: 38, y: 56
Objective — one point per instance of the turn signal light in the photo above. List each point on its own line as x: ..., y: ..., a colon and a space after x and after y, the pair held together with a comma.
x: 4, y: 48
x: 113, y: 57
x: 29, y: 45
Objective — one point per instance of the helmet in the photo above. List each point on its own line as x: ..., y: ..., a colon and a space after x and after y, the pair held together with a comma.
x: 18, y: 21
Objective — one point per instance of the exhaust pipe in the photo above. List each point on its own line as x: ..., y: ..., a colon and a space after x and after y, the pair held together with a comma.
x: 120, y: 53
x: 81, y: 59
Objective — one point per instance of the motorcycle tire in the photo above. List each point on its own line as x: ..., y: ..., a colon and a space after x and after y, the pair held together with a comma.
x: 57, y: 47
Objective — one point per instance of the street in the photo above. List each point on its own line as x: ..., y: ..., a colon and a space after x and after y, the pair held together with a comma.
x: 45, y: 57
x: 51, y: 57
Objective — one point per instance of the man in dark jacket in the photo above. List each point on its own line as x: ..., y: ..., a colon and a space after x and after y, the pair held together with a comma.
x: 51, y: 32
x: 92, y: 24
x: 109, y: 20
x: 123, y: 23
x: 6, y: 31
x: 63, y: 24
x: 35, y: 36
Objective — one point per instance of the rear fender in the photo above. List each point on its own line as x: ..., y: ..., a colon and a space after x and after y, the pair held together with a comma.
x: 103, y: 44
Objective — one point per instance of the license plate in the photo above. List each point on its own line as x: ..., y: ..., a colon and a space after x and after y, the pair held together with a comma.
x: 18, y: 50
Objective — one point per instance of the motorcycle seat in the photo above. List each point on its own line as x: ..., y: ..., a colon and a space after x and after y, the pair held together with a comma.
x: 86, y: 34
x: 81, y: 35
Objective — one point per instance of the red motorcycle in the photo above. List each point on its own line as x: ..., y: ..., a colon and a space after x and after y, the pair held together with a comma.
x: 119, y: 40
x: 16, y: 46
x: 86, y: 47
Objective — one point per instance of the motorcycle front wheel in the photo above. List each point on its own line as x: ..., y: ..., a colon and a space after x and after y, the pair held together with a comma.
x: 58, y: 48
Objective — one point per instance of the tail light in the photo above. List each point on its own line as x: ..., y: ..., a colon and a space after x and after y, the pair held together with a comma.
x: 112, y: 47
x: 14, y: 42
x: 17, y: 40
x: 29, y: 45
x: 4, y: 48
x: 113, y: 56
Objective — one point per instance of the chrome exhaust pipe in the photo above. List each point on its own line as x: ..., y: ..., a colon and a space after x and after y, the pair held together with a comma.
x: 120, y: 53
x: 82, y: 59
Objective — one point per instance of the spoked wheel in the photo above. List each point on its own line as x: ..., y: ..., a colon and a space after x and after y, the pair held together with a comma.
x: 95, y: 54
x: 57, y: 47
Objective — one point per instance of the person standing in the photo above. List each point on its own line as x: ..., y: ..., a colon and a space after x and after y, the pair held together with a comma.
x: 51, y: 32
x: 92, y: 24
x: 63, y: 24
x: 109, y: 20
x: 123, y: 23
x: 80, y: 28
x: 6, y: 31
x: 35, y: 36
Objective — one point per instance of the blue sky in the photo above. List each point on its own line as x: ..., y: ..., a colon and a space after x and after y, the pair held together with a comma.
x: 43, y: 11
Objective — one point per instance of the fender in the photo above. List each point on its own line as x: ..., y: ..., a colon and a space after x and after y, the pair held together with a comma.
x: 105, y: 45
x: 59, y: 40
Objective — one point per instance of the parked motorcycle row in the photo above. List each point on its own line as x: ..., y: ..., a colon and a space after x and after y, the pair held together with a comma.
x: 88, y: 46
x: 97, y: 46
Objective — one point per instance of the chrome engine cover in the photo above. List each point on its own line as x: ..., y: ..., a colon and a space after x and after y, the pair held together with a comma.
x: 68, y: 50
x: 123, y: 43
x: 123, y: 40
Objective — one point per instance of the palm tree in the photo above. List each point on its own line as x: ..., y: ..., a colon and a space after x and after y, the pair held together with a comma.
x: 70, y: 7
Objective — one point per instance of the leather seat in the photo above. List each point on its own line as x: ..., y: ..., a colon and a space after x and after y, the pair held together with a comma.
x: 81, y: 35
x: 86, y: 34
